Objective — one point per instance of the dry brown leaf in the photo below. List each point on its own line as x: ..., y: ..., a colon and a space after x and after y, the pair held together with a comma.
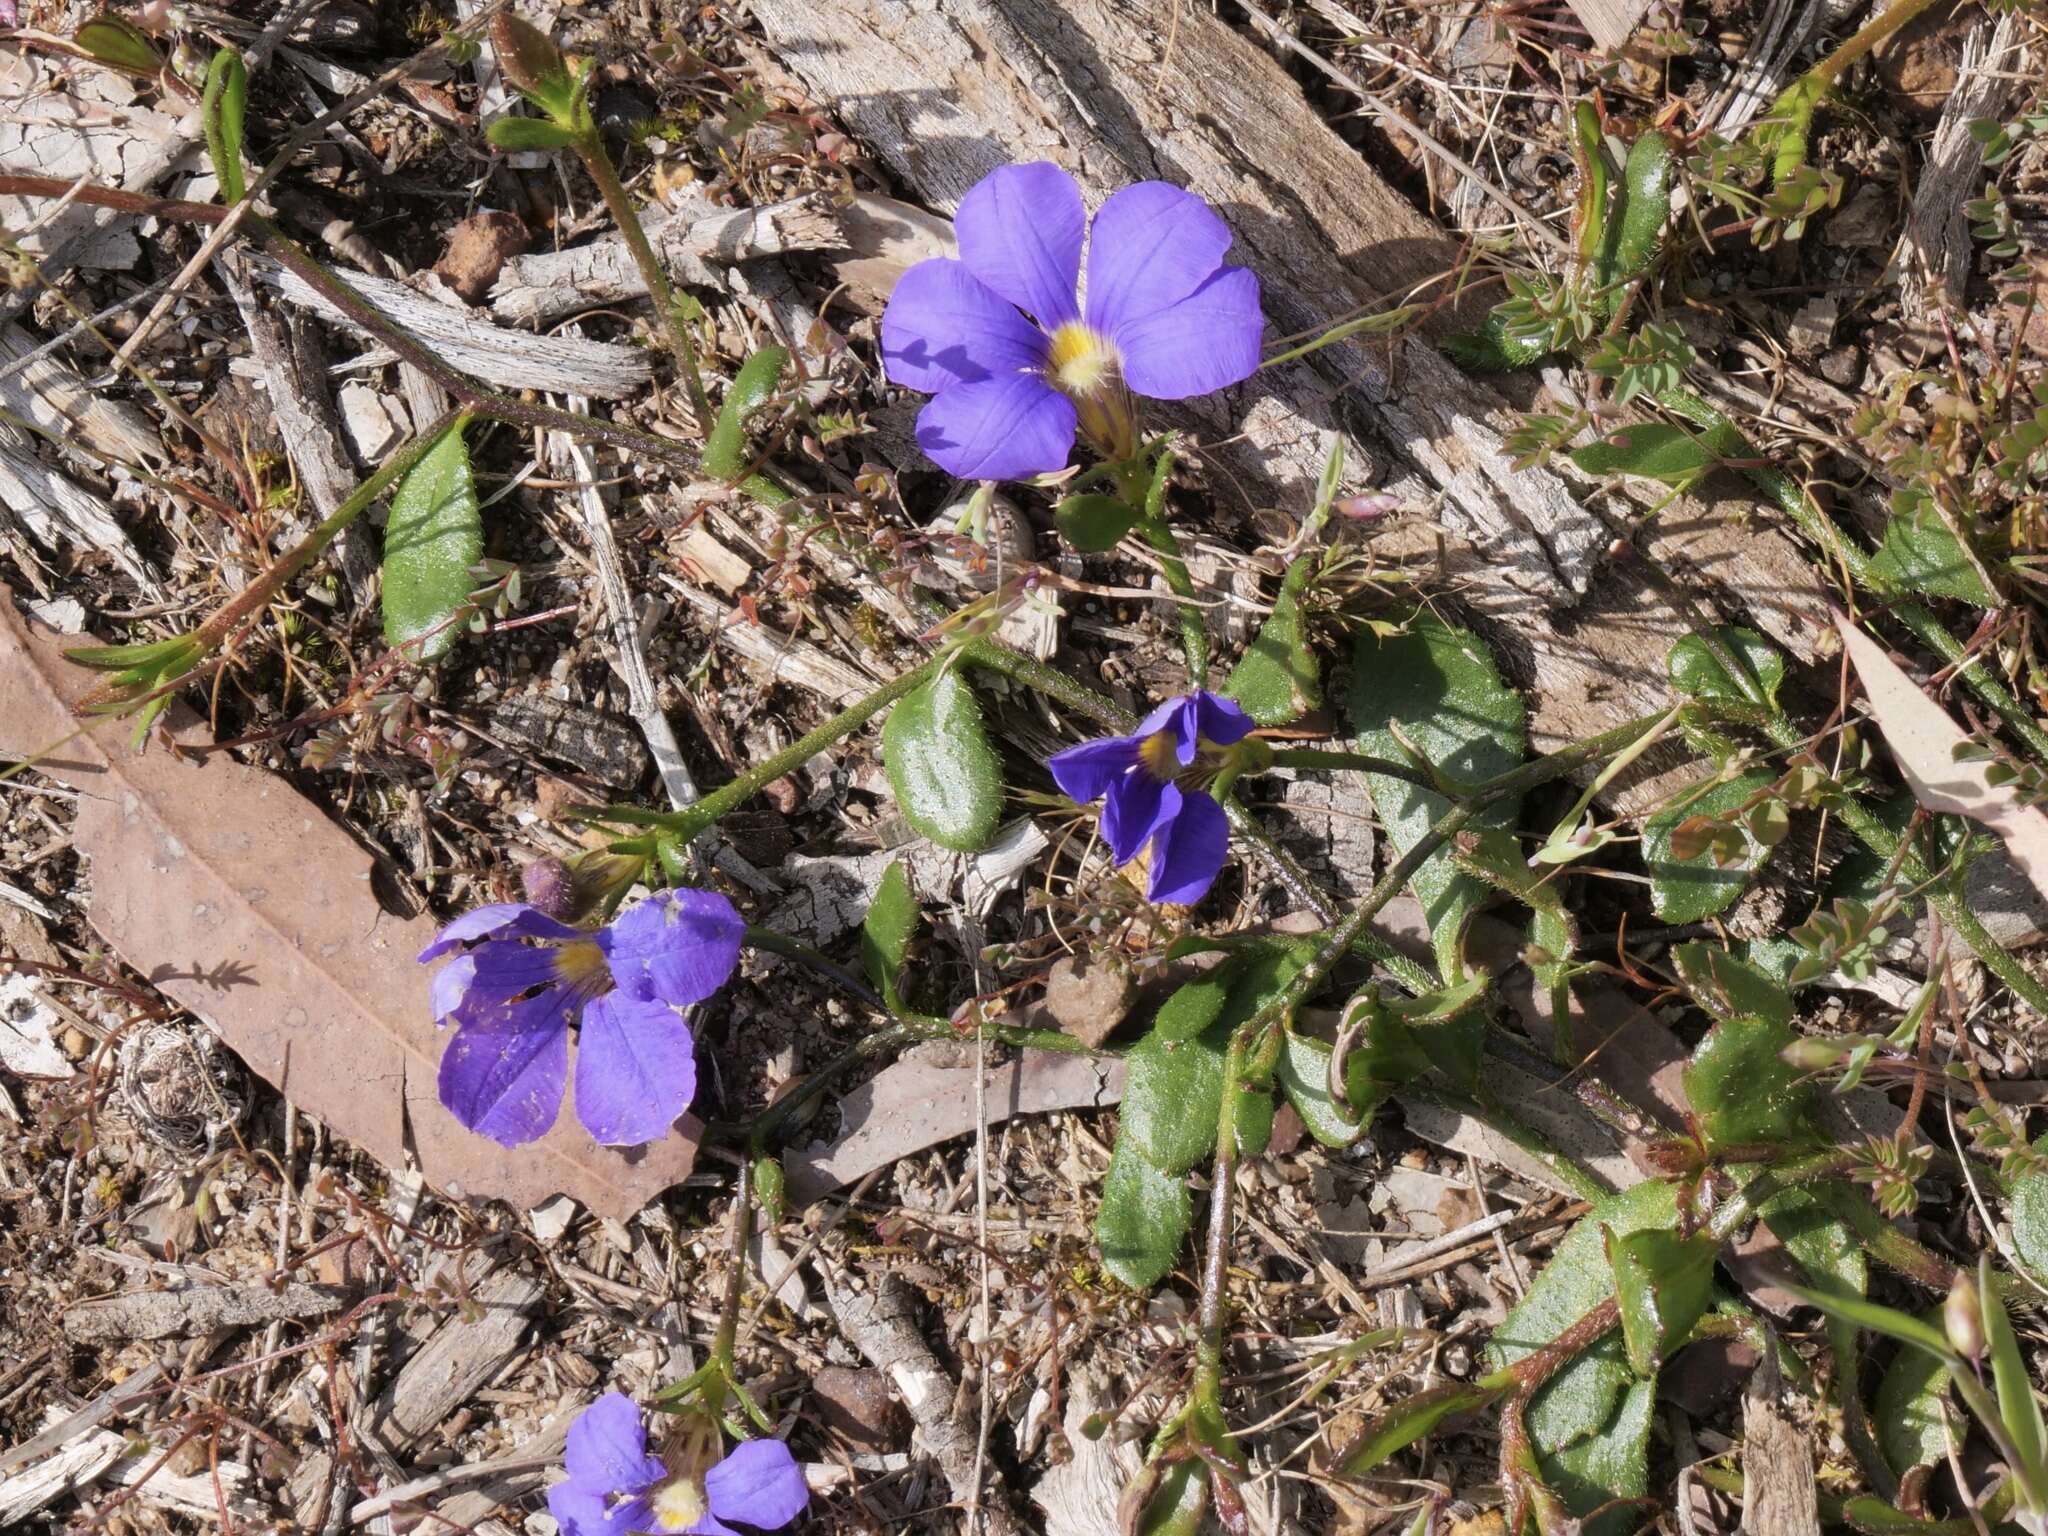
x: 1923, y: 738
x: 919, y: 1102
x: 239, y: 900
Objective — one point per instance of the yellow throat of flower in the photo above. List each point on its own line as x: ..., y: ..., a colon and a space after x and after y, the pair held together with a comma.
x: 583, y: 967
x: 679, y: 1504
x: 1084, y: 362
x: 1159, y: 755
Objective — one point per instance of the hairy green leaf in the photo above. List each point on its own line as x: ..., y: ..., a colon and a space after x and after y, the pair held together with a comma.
x: 432, y: 541
x: 2030, y: 1218
x: 1637, y: 226
x: 1663, y: 1282
x: 885, y: 931
x: 1728, y: 986
x: 1439, y: 689
x: 1092, y: 522
x: 1491, y: 349
x: 223, y: 108
x: 1909, y: 1411
x: 725, y: 450
x: 945, y: 774
x: 1655, y: 450
x: 1693, y: 890
x: 1697, y: 671
x: 1407, y: 1421
x: 1144, y: 1216
x: 515, y: 134
x: 1172, y: 1090
x: 1922, y: 553
x: 1742, y: 1091
x: 1277, y: 680
x: 1179, y: 1502
x: 113, y: 40
x: 1303, y: 1075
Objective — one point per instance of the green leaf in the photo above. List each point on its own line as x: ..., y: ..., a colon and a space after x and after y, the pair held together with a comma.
x: 1383, y: 1055
x: 1654, y: 450
x: 1693, y: 890
x: 2010, y: 1379
x: 432, y: 541
x: 1144, y: 1216
x: 1303, y: 1075
x: 1254, y: 1123
x: 1194, y: 1006
x: 1922, y: 553
x: 1909, y: 1411
x: 1663, y: 1282
x: 1727, y: 986
x: 1741, y: 1090
x: 1589, y: 154
x: 2030, y: 1218
x: 1589, y: 1421
x: 1172, y: 1090
x: 1889, y: 1321
x: 224, y: 108
x: 1637, y: 227
x: 112, y: 40
x: 1407, y: 1421
x: 1612, y: 1463
x: 529, y: 59
x: 1436, y: 684
x: 1277, y: 679
x: 885, y: 931
x: 514, y: 134
x: 1092, y: 522
x: 1178, y: 1504
x: 947, y: 779
x: 725, y: 450
x: 1695, y: 671
x: 1491, y: 349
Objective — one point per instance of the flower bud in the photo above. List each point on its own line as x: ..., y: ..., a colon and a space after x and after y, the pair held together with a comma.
x: 1365, y: 508
x: 529, y: 58
x: 1809, y: 1054
x: 550, y: 888
x: 1962, y: 1317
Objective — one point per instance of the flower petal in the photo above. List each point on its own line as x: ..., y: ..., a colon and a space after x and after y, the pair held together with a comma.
x: 1132, y: 811
x: 1190, y: 849
x: 758, y: 1483
x: 451, y: 985
x: 1151, y: 246
x: 1221, y: 720
x: 636, y: 1070
x: 511, y: 918
x: 676, y: 947
x: 1020, y: 230
x: 590, y: 1514
x: 1006, y: 428
x: 943, y: 327
x: 607, y: 1450
x: 502, y: 1073
x: 1209, y: 340
x: 1085, y: 772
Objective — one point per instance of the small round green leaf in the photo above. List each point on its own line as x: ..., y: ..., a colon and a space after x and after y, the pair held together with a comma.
x: 725, y: 456
x: 1742, y: 1091
x: 1172, y: 1091
x: 936, y: 751
x: 1277, y: 679
x: 432, y: 542
x: 1303, y: 1074
x: 1092, y: 522
x: 514, y: 134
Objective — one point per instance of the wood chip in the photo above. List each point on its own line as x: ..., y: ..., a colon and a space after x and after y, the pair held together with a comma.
x: 464, y: 1354
x: 198, y: 1311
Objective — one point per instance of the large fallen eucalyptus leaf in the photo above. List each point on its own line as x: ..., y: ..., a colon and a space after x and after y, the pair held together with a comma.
x: 1923, y: 738
x: 936, y: 751
x: 241, y: 901
x: 1277, y: 679
x: 1743, y: 1092
x: 432, y: 542
x: 1144, y: 1217
x: 1692, y: 890
x: 1587, y: 1421
x: 1438, y: 686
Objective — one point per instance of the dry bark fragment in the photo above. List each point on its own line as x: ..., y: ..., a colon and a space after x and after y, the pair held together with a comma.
x: 187, y: 1314
x: 239, y: 900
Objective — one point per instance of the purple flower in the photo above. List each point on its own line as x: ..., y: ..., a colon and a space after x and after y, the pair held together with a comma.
x: 1164, y: 317
x: 1143, y: 780
x: 523, y: 979
x: 616, y: 1486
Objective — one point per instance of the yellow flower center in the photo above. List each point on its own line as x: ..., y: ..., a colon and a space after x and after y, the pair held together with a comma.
x: 1158, y: 755
x: 679, y: 1504
x: 1083, y: 361
x: 583, y: 967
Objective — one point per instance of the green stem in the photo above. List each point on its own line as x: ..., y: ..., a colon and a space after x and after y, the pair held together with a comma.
x: 687, y: 824
x: 1361, y: 762
x: 620, y: 202
x: 795, y: 949
x: 1206, y: 1390
x: 1194, y: 632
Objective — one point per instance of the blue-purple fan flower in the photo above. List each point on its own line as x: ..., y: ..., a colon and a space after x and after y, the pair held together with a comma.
x: 1164, y: 317
x: 1143, y: 782
x: 523, y: 980
x: 615, y: 1485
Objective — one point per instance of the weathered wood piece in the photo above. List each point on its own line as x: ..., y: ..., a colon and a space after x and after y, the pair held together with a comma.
x: 187, y: 1314
x: 461, y: 1356
x: 505, y: 358
x: 1779, y: 1497
x: 1938, y: 243
x: 540, y: 289
x: 1611, y: 22
x: 946, y: 90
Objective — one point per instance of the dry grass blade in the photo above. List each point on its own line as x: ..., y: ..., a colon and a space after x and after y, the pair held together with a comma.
x: 239, y: 900
x: 1923, y: 739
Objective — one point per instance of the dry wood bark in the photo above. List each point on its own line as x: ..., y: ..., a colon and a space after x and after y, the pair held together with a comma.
x: 464, y: 1354
x: 200, y: 1310
x: 946, y: 90
x: 1938, y: 240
